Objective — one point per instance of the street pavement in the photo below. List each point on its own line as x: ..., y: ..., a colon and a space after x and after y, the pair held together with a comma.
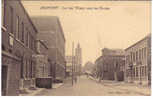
x: 89, y: 87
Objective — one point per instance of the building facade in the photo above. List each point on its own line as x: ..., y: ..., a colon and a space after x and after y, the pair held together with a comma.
x: 78, y: 59
x: 18, y: 46
x: 69, y: 65
x: 42, y: 62
x: 110, y: 65
x: 43, y: 78
x: 51, y: 32
x: 138, y: 62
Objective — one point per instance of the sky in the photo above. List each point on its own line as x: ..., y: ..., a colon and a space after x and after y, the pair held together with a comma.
x: 117, y: 25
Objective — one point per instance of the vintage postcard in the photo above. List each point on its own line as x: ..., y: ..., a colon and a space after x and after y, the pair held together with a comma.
x: 76, y: 48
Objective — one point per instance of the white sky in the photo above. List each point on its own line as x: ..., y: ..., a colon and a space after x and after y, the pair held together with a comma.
x: 121, y: 26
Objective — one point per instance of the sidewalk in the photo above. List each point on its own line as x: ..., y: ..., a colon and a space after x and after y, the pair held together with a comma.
x: 32, y: 92
x: 29, y: 92
x: 141, y: 89
x: 110, y: 82
x: 57, y: 85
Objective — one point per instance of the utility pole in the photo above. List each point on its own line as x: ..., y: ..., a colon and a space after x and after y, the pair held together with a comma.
x: 72, y: 62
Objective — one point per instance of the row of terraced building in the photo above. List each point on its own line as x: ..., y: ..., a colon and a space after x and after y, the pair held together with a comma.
x: 132, y: 65
x: 33, y: 49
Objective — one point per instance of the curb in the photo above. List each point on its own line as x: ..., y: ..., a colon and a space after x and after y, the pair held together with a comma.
x: 58, y: 86
x: 33, y: 93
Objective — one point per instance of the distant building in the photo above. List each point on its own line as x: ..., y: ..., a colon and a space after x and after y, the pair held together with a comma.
x: 78, y: 59
x: 138, y: 62
x: 18, y: 46
x: 88, y: 68
x: 110, y: 65
x: 50, y: 30
x: 68, y: 65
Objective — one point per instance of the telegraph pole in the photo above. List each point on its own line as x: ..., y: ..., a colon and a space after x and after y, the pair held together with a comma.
x: 72, y: 62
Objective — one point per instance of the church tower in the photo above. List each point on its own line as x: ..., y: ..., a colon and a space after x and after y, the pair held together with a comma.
x: 78, y: 59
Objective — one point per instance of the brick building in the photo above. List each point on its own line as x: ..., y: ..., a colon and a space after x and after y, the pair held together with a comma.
x: 50, y: 30
x: 138, y: 62
x: 42, y: 61
x: 43, y: 78
x: 18, y: 46
x: 110, y: 65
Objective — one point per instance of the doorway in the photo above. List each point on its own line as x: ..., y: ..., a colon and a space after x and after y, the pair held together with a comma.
x: 4, y: 79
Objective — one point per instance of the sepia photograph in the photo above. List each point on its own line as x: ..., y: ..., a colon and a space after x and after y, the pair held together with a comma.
x: 76, y: 48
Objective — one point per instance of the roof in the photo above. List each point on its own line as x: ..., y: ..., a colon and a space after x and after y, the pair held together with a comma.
x: 98, y: 59
x: 113, y: 52
x: 48, y: 23
x: 146, y: 37
x: 26, y: 13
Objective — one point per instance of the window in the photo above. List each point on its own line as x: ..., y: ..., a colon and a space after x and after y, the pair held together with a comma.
x: 17, y: 27
x: 30, y: 69
x: 33, y: 69
x: 140, y: 71
x: 22, y: 36
x: 32, y: 43
x: 145, y: 70
x: 3, y: 12
x: 136, y: 71
x: 11, y: 17
x: 139, y: 54
x: 27, y: 39
x: 22, y: 65
x: 142, y: 53
x: 145, y: 52
x: 131, y: 56
x: 133, y: 72
x: 26, y: 68
x: 136, y: 55
x: 127, y: 59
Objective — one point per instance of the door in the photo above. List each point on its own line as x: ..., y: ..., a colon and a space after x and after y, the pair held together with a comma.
x: 4, y: 79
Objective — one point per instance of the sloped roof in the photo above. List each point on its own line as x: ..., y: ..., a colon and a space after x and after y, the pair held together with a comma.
x: 146, y: 37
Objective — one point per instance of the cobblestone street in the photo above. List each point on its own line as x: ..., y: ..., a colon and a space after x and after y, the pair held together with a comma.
x: 88, y: 87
